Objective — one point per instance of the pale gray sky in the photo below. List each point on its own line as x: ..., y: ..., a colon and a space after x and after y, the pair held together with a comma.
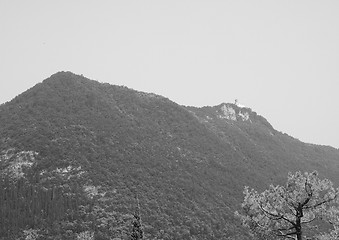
x: 281, y: 58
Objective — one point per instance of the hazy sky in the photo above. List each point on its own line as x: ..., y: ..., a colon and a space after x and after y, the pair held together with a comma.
x: 281, y: 58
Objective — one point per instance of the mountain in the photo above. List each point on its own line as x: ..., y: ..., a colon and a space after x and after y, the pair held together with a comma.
x: 79, y: 157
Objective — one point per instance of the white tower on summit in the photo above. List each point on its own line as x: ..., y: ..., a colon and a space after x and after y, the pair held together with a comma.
x: 236, y: 102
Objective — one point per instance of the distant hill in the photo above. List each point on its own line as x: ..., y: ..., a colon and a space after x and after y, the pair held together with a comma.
x: 79, y: 157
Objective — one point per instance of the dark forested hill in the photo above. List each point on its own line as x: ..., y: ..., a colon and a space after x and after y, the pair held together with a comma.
x: 81, y: 158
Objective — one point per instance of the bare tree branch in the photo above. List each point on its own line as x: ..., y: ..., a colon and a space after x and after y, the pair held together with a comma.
x: 278, y: 217
x: 288, y: 235
x: 320, y: 203
x: 308, y: 221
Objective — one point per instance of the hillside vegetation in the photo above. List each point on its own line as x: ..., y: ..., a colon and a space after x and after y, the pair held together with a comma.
x: 79, y: 157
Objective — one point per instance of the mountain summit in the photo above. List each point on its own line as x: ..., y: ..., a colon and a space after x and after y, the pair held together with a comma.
x: 81, y: 157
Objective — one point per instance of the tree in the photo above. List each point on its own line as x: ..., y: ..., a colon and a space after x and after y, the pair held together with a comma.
x: 87, y: 235
x: 287, y: 211
x: 137, y: 232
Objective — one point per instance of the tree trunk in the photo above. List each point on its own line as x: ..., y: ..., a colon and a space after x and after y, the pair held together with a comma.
x: 299, y: 215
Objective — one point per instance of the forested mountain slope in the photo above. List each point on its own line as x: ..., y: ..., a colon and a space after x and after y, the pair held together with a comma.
x: 81, y: 157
